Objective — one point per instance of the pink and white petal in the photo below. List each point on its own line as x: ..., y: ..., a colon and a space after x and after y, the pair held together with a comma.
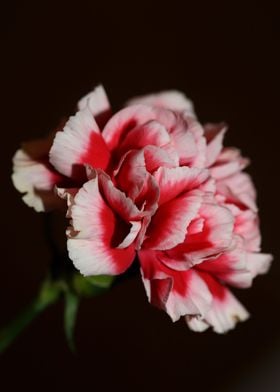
x: 216, y: 237
x: 209, y: 186
x: 228, y: 163
x: 231, y: 266
x: 189, y: 295
x: 196, y: 226
x: 239, y: 189
x: 186, y: 133
x: 174, y: 181
x: 198, y: 160
x: 138, y: 184
x: 131, y: 236
x: 124, y: 121
x: 178, y: 293
x: 92, y: 238
x: 117, y: 199
x: 225, y: 309
x: 156, y: 157
x: 247, y: 225
x: 196, y: 323
x: 98, y: 104
x: 80, y: 143
x: 151, y: 133
x: 229, y: 154
x: 132, y: 173
x: 214, y: 134
x: 147, y: 200
x: 67, y: 194
x: 172, y: 99
x: 36, y: 179
x: 184, y: 139
x: 131, y: 117
x: 258, y: 263
x: 169, y: 224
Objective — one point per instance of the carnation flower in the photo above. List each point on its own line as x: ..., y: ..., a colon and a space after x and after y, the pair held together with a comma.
x: 151, y: 182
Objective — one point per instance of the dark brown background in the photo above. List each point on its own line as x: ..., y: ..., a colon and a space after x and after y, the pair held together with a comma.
x: 224, y: 57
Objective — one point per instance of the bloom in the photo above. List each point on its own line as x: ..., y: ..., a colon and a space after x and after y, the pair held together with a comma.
x: 150, y: 181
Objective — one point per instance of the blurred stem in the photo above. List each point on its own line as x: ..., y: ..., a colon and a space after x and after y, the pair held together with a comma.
x: 70, y: 315
x: 63, y: 280
x: 48, y: 294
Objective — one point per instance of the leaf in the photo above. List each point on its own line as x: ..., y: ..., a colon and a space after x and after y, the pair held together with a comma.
x: 90, y: 286
x: 48, y: 294
x: 70, y: 315
x: 104, y: 281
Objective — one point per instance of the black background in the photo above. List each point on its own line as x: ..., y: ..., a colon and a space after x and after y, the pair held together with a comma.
x: 223, y: 56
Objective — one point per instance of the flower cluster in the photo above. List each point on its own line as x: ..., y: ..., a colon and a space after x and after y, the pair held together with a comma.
x: 150, y: 181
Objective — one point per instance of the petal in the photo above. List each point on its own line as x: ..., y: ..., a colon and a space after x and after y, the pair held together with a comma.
x: 190, y: 295
x: 199, y: 159
x: 196, y: 323
x: 34, y: 176
x: 80, y: 143
x: 131, y: 236
x: 156, y: 157
x: 225, y: 310
x: 239, y: 189
x: 169, y: 224
x: 228, y: 163
x: 214, y: 134
x: 172, y: 99
x: 178, y: 293
x: 151, y: 133
x: 247, y: 225
x: 134, y: 179
x: 95, y: 234
x: 124, y: 121
x: 215, y: 238
x: 190, y: 144
x: 98, y: 104
x: 117, y: 199
x: 67, y: 194
x: 231, y: 266
x: 258, y: 263
x: 172, y: 182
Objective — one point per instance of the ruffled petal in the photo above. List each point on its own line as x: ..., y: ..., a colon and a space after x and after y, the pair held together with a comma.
x: 258, y: 263
x: 215, y: 237
x: 35, y: 177
x: 238, y: 189
x: 80, y: 143
x: 230, y: 267
x: 178, y: 293
x: 96, y: 233
x: 98, y: 104
x: 247, y: 225
x: 117, y: 199
x: 172, y: 99
x: 189, y: 141
x: 214, y: 134
x: 199, y: 159
x: 126, y: 120
x: 169, y: 224
x: 175, y: 181
x: 225, y: 309
x: 138, y: 184
x: 151, y: 133
x: 228, y: 163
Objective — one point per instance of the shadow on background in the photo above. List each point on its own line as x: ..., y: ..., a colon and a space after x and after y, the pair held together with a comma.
x: 222, y: 56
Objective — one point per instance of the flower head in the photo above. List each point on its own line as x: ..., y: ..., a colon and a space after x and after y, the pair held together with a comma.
x: 150, y: 181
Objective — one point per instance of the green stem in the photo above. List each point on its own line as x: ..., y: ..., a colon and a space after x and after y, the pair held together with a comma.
x: 48, y: 294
